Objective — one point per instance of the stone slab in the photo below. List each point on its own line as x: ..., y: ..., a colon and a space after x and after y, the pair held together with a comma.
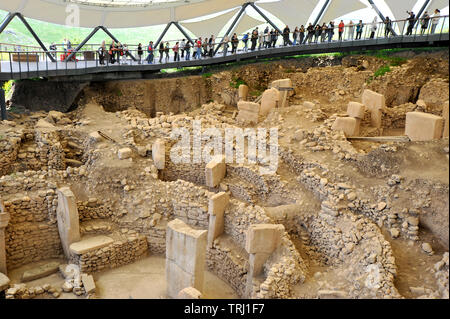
x: 189, y: 293
x: 216, y: 208
x: 88, y: 283
x: 355, y: 109
x: 4, y: 282
x: 263, y: 238
x: 41, y: 271
x: 373, y: 100
x: 269, y: 100
x: 185, y: 246
x: 159, y: 153
x: 248, y: 106
x: 215, y: 171
x: 177, y: 279
x: 124, y: 153
x: 90, y: 244
x: 421, y: 126
x: 68, y: 219
x: 445, y: 115
x: 349, y: 125
x: 243, y: 92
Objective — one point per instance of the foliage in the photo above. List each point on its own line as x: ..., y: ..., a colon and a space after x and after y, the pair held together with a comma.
x: 7, y: 87
x: 207, y: 75
x: 236, y: 82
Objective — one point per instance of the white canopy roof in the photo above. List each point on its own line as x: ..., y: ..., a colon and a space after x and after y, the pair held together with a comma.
x: 209, y: 26
x: 291, y: 12
x: 437, y: 4
x: 125, y: 16
x: 246, y: 23
x: 338, y: 8
x: 137, y: 13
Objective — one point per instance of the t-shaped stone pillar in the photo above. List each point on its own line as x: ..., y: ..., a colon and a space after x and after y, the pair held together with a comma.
x: 68, y: 219
x: 185, y: 257
x: 4, y: 220
x: 261, y: 241
x: 216, y: 209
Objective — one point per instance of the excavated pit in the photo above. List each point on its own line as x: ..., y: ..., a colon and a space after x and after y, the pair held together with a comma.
x: 362, y: 219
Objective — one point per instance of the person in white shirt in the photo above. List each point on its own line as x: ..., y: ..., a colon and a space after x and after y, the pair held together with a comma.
x: 182, y: 45
x: 373, y: 27
x: 435, y: 20
x: 261, y: 40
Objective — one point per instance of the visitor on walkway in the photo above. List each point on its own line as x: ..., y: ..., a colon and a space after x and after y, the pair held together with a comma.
x: 119, y: 51
x: 167, y: 51
x: 260, y: 40
x: 317, y: 33
x: 102, y: 53
x: 225, y: 42
x: 286, y: 33
x: 245, y: 40
x: 126, y: 53
x: 324, y: 32
x: 234, y: 43
x: 150, y: 52
x: 310, y: 30
x: 330, y: 31
x: 187, y: 48
x: 301, y: 32
x: 205, y: 47
x: 373, y: 27
x: 351, y: 29
x: 198, y: 48
x: 182, y: 45
x: 271, y: 38
x: 388, y: 27
x: 295, y: 36
x: 411, y: 21
x: 425, y: 21
x: 140, y: 53
x: 266, y: 38
x: 359, y: 30
x: 435, y: 20
x: 112, y: 52
x: 161, y: 51
x: 176, y: 54
x: 254, y: 39
x: 277, y: 35
x: 211, y: 44
x: 53, y: 49
x: 341, y: 29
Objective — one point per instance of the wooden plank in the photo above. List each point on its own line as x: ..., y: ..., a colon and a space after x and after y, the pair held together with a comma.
x: 380, y: 138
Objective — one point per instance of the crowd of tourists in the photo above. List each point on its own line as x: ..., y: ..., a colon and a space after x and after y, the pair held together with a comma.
x: 259, y: 39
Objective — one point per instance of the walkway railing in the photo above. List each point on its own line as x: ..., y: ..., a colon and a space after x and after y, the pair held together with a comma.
x: 26, y: 64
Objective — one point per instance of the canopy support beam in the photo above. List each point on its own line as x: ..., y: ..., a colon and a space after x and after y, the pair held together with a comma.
x: 11, y: 16
x: 380, y: 15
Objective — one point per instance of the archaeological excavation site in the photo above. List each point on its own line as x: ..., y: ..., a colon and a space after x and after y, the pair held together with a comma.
x: 311, y: 177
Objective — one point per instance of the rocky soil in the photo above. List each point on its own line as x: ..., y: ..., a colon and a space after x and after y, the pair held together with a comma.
x: 363, y: 219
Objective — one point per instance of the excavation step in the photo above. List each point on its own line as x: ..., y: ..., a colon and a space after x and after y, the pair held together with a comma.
x: 40, y: 271
x: 89, y: 244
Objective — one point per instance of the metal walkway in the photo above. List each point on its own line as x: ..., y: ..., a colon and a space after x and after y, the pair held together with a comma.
x: 92, y: 71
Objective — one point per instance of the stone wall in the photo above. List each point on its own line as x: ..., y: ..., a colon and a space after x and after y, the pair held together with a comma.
x: 32, y: 233
x: 120, y: 252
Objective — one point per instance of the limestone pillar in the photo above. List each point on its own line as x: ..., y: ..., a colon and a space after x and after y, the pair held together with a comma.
x: 215, y: 171
x: 68, y: 219
x: 260, y: 242
x: 185, y: 257
x: 243, y: 92
x: 283, y: 86
x: 4, y: 220
x: 216, y: 209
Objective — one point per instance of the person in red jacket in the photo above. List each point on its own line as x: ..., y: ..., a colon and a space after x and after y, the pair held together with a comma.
x: 341, y: 29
